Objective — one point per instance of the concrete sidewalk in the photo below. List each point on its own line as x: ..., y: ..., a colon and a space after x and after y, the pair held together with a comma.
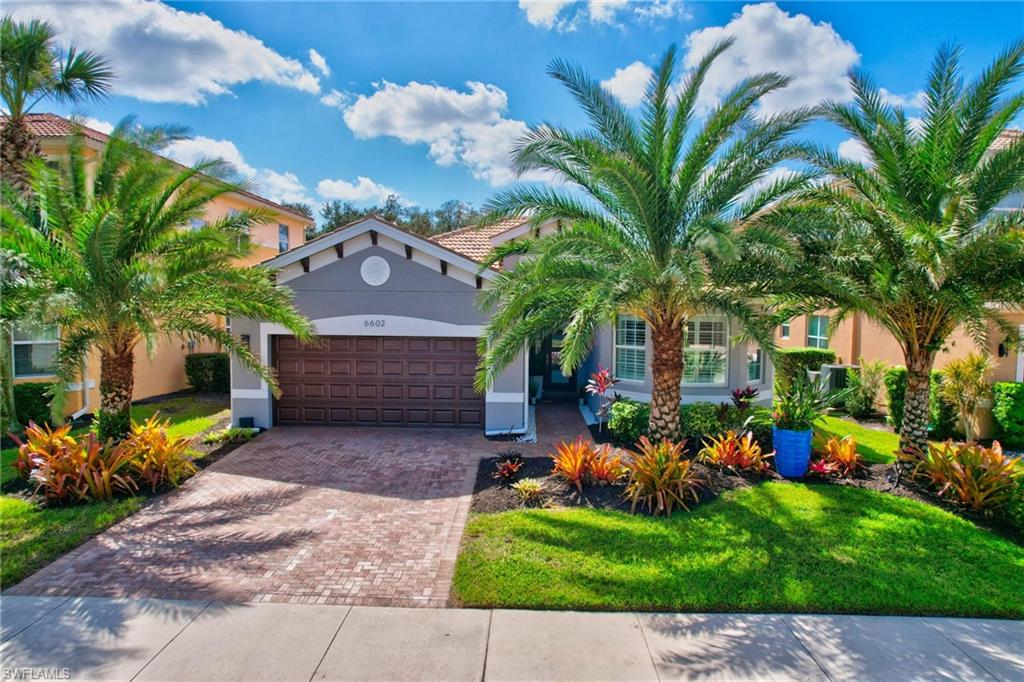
x: 98, y: 638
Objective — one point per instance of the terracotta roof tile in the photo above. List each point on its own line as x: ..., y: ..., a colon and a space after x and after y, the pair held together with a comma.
x: 475, y: 242
x: 48, y: 125
x: 1006, y: 138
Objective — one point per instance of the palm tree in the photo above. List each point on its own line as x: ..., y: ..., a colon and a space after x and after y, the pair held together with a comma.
x: 658, y: 208
x: 33, y: 69
x: 109, y: 264
x: 911, y: 236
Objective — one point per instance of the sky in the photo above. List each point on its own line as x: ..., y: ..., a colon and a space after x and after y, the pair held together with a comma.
x: 357, y: 100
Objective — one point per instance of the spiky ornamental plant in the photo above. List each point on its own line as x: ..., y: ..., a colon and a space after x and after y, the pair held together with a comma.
x: 107, y: 260
x: 656, y: 212
x: 915, y: 237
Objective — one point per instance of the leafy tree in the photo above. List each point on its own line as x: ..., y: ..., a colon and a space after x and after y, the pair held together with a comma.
x: 454, y: 214
x: 108, y: 262
x: 451, y: 215
x: 659, y: 208
x: 912, y: 237
x: 300, y: 208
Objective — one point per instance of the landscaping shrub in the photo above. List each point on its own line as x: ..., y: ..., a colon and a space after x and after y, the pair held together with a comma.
x: 208, y: 372
x: 108, y: 423
x: 975, y: 476
x: 839, y: 456
x: 964, y: 384
x: 942, y: 420
x: 699, y: 419
x: 32, y: 403
x: 865, y: 382
x: 606, y: 465
x: 793, y: 363
x: 42, y: 442
x: 660, y: 477
x: 735, y: 452
x: 1008, y: 412
x: 231, y: 434
x: 628, y: 420
x: 572, y: 461
x: 157, y: 459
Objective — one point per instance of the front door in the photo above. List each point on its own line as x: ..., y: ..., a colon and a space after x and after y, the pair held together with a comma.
x: 554, y: 380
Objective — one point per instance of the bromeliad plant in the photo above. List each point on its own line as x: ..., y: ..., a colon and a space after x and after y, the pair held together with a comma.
x: 528, y: 490
x: 842, y: 457
x: 743, y: 398
x: 572, y: 461
x: 970, y: 474
x: 606, y: 465
x: 156, y: 458
x: 508, y: 467
x: 661, y: 477
x: 599, y: 384
x: 738, y: 453
x: 656, y: 217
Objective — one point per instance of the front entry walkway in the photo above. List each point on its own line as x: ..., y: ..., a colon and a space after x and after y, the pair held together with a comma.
x: 302, y: 515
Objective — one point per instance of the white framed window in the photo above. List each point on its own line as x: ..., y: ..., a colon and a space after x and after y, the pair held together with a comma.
x: 817, y: 331
x: 282, y: 238
x: 35, y: 350
x: 706, y: 351
x: 784, y: 330
x: 755, y: 365
x: 630, y: 348
x: 196, y: 224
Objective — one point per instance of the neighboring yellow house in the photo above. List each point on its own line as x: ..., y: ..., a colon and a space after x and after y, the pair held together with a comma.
x: 165, y: 371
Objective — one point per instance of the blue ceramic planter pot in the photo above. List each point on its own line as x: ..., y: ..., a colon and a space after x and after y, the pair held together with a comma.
x: 792, y: 451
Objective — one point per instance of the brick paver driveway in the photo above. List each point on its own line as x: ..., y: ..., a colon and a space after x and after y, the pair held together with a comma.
x: 302, y: 514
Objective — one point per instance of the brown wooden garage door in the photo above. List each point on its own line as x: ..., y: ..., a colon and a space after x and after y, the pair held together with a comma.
x: 378, y: 381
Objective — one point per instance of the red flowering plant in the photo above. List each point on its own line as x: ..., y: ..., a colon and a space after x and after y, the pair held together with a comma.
x: 599, y: 384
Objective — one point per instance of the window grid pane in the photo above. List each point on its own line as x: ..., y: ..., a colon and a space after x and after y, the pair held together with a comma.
x: 817, y: 331
x: 706, y: 350
x: 32, y: 359
x: 630, y: 348
x: 630, y: 363
x: 754, y: 365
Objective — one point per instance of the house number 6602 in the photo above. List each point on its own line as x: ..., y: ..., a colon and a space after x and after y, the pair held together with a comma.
x: 373, y: 323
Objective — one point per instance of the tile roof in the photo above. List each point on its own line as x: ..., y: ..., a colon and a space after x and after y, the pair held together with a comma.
x: 1006, y: 138
x: 48, y: 125
x: 475, y: 242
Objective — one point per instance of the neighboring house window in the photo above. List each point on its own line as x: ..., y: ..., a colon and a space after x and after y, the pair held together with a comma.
x: 35, y: 351
x: 784, y: 330
x: 755, y: 365
x: 817, y: 331
x: 197, y: 224
x: 706, y: 350
x: 244, y: 239
x: 630, y: 348
x: 282, y: 238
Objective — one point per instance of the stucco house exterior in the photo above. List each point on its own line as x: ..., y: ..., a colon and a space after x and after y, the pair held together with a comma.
x: 398, y: 321
x: 164, y: 372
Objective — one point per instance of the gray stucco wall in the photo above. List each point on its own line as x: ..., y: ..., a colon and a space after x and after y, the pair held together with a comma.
x: 413, y: 290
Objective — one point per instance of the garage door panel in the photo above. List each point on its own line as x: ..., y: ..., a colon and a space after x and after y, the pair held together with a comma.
x: 378, y: 381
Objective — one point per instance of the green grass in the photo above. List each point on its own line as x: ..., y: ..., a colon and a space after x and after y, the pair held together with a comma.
x: 774, y: 547
x: 876, y: 447
x: 33, y: 536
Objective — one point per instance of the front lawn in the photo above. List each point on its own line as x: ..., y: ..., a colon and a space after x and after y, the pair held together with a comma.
x: 773, y: 547
x: 32, y: 536
x: 875, y: 446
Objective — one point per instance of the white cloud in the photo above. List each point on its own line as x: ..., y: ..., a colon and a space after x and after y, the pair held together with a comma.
x: 460, y: 127
x: 96, y: 124
x: 629, y: 83
x: 336, y: 99
x: 774, y: 175
x: 770, y: 39
x: 566, y: 15
x: 268, y: 183
x: 363, y: 190
x: 317, y: 60
x: 162, y: 54
x: 543, y: 13
x: 852, y: 149
x: 604, y: 11
x: 914, y: 100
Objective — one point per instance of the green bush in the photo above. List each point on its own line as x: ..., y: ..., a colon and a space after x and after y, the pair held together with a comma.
x: 208, y: 372
x: 700, y: 419
x: 1008, y: 412
x: 32, y: 403
x: 628, y: 419
x: 791, y: 363
x: 942, y: 417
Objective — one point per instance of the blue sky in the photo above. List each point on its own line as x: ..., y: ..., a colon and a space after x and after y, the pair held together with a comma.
x: 423, y: 98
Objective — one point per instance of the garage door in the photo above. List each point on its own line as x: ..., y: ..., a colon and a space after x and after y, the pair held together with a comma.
x: 378, y: 381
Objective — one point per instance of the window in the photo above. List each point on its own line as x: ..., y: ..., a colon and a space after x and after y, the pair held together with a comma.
x: 35, y: 350
x: 755, y: 365
x: 245, y: 238
x: 706, y: 350
x: 282, y: 238
x: 630, y: 348
x: 196, y: 224
x: 784, y: 330
x: 817, y: 331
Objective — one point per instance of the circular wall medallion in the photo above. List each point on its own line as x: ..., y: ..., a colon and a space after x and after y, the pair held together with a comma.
x: 375, y: 271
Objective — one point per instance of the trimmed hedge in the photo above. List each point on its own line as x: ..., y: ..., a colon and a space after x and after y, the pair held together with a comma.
x: 1008, y: 413
x: 942, y: 418
x: 208, y: 372
x: 32, y: 403
x: 628, y: 420
x: 793, y: 362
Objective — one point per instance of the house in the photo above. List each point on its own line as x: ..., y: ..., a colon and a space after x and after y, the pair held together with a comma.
x: 34, y: 348
x: 398, y: 321
x: 858, y: 336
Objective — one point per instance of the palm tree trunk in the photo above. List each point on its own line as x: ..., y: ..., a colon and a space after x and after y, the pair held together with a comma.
x: 667, y: 372
x: 916, y: 405
x: 17, y: 146
x: 117, y: 380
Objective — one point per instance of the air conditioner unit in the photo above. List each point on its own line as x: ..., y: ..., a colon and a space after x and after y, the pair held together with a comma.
x: 834, y: 376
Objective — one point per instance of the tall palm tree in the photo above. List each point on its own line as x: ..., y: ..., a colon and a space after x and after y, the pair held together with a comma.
x: 911, y: 236
x: 109, y: 264
x: 32, y: 69
x: 658, y: 208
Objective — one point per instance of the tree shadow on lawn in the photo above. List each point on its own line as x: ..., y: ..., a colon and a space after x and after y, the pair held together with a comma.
x: 778, y: 547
